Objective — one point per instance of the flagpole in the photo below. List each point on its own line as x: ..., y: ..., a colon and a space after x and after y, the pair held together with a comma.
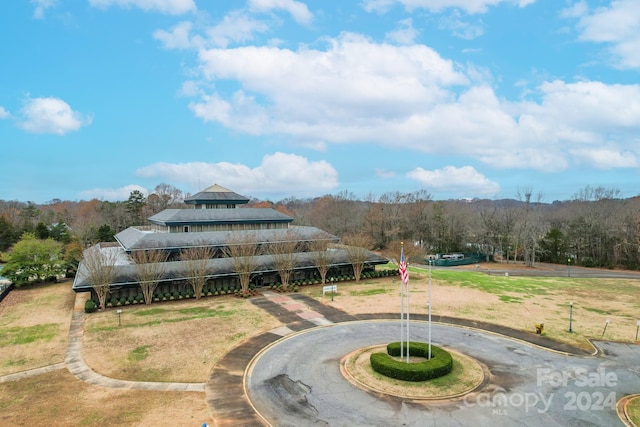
x: 429, y: 310
x: 408, y: 320
x: 404, y: 285
x: 401, y: 319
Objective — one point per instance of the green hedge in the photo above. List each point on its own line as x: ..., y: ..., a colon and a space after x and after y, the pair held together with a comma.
x: 439, y: 365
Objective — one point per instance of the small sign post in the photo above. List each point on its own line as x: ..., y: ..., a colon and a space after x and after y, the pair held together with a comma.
x: 605, y: 326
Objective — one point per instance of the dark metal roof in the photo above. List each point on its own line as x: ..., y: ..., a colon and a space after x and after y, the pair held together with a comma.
x: 220, y: 267
x: 218, y: 216
x: 135, y: 239
x: 216, y: 195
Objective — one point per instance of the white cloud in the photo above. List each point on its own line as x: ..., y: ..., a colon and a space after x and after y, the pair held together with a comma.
x: 41, y: 7
x: 4, y: 114
x: 111, y: 194
x: 169, y: 7
x: 279, y: 173
x: 361, y: 92
x: 235, y: 27
x: 617, y: 26
x: 311, y: 91
x: 296, y: 9
x: 461, y: 28
x: 409, y: 97
x: 404, y: 34
x: 469, y: 6
x: 464, y: 181
x: 607, y: 158
x: 576, y: 10
x: 179, y: 37
x: 50, y: 115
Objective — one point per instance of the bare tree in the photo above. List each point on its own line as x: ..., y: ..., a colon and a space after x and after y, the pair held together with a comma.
x: 243, y: 249
x: 283, y: 253
x: 150, y: 268
x: 100, y: 266
x: 530, y: 226
x: 322, y: 257
x: 357, y: 247
x: 196, y: 266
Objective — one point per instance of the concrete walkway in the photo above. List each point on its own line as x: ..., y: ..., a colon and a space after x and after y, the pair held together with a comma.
x: 31, y: 373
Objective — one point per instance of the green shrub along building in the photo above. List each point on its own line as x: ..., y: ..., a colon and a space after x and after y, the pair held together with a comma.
x: 217, y: 221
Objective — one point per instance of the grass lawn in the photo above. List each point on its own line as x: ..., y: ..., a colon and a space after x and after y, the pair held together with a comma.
x: 59, y: 399
x: 34, y: 326
x: 633, y: 408
x: 517, y: 302
x: 182, y: 341
x: 177, y: 341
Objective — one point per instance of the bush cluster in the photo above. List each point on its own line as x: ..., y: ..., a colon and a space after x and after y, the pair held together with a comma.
x: 439, y: 365
x: 89, y: 306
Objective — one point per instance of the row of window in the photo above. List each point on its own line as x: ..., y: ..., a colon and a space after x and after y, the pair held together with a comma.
x: 199, y: 228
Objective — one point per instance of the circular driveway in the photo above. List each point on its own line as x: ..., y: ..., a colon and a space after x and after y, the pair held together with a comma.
x: 297, y: 381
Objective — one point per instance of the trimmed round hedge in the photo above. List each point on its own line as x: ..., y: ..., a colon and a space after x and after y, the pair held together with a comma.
x: 439, y: 365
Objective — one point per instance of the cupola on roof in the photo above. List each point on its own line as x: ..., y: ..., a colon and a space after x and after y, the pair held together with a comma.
x: 216, y: 195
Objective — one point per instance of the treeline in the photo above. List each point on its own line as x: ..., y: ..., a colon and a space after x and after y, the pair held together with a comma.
x: 595, y: 228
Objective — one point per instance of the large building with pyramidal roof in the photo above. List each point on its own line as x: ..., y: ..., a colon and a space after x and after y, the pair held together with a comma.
x: 215, y: 218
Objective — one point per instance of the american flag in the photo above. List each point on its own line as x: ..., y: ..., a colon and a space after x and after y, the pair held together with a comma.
x: 404, y: 274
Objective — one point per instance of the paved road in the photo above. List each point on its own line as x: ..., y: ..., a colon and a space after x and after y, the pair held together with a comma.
x: 547, y: 270
x: 298, y: 381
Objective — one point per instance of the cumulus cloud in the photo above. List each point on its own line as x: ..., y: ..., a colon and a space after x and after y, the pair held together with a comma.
x: 112, y: 194
x: 41, y: 7
x: 169, y: 7
x: 469, y: 6
x: 358, y: 91
x: 617, y: 26
x: 50, y: 115
x: 4, y: 114
x: 464, y: 181
x: 278, y: 174
x: 354, y: 83
x: 298, y: 10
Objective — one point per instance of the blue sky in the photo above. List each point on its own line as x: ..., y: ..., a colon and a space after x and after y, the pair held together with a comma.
x: 285, y: 98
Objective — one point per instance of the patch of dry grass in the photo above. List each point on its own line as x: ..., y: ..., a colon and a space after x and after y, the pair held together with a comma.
x: 59, y: 399
x: 177, y: 341
x: 633, y: 408
x: 518, y: 302
x: 24, y: 314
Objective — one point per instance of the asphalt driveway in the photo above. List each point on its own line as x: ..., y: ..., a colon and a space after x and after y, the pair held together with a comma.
x: 297, y: 381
